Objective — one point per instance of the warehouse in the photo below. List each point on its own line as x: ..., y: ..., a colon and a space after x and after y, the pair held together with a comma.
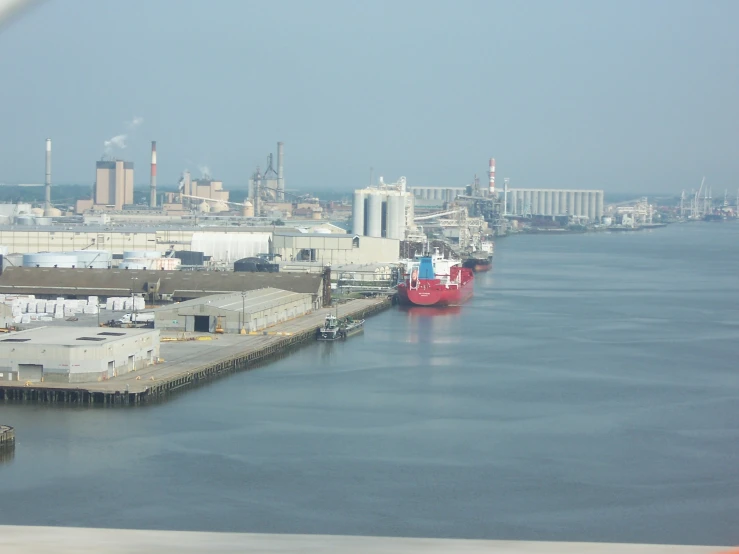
x: 75, y: 354
x: 250, y: 311
x: 333, y: 249
x: 155, y: 286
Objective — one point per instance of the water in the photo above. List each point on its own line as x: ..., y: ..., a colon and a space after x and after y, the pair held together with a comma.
x: 589, y: 392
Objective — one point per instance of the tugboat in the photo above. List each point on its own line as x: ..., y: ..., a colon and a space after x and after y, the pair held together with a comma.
x: 336, y: 329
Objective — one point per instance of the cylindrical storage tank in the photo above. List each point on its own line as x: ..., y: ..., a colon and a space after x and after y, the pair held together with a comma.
x: 374, y: 215
x: 141, y: 254
x: 599, y: 205
x: 542, y: 202
x: 42, y: 221
x: 247, y: 210
x: 96, y: 259
x: 49, y: 259
x: 562, y: 202
x: 394, y: 206
x: 570, y: 202
x: 358, y: 212
x: 591, y: 206
x: 526, y: 201
x: 4, y: 250
x: 578, y: 203
x: 24, y: 220
x: 37, y: 211
x: 127, y: 264
x: 513, y: 202
x: 548, y: 202
x: 555, y: 202
x: 584, y: 203
x: 534, y: 202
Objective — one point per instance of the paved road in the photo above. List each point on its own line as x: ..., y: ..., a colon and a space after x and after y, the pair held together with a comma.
x: 61, y: 540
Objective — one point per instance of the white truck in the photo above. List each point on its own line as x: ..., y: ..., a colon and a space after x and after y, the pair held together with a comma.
x: 137, y: 319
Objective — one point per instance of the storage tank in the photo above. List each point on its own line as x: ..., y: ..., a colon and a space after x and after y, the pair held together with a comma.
x: 247, y: 210
x: 394, y: 209
x: 96, y: 259
x: 599, y: 205
x: 358, y: 212
x: 44, y: 221
x: 126, y: 264
x: 50, y: 259
x: 141, y: 254
x: 548, y: 202
x: 584, y: 203
x: 24, y: 220
x: 555, y: 202
x: 204, y: 207
x: 374, y: 215
x: 37, y: 211
x: 592, y: 206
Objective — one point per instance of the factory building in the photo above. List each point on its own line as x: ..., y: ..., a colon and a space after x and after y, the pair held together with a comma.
x: 436, y: 195
x: 271, y: 183
x: 251, y: 311
x: 75, y: 354
x: 554, y: 202
x: 386, y: 211
x: 113, y: 184
x: 333, y: 249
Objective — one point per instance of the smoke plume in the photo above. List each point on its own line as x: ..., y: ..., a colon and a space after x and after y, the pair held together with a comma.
x: 119, y: 141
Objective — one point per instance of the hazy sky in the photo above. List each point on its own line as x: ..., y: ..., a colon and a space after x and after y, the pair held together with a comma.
x: 623, y: 95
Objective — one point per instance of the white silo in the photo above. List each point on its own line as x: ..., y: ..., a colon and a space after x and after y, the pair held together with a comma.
x: 599, y: 205
x: 584, y: 205
x: 591, y: 206
x: 570, y: 202
x: 578, y: 203
x: 534, y: 202
x: 374, y: 214
x: 358, y: 212
x: 548, y: 202
x: 562, y: 202
x: 97, y: 259
x: 394, y: 208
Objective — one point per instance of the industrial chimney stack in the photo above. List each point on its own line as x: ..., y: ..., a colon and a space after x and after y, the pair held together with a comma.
x: 491, y: 173
x: 153, y: 183
x: 280, y: 176
x: 47, y: 198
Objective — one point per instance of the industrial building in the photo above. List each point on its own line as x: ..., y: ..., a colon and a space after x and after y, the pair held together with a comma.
x: 436, y: 194
x: 75, y: 354
x: 155, y: 286
x: 113, y: 184
x: 269, y: 185
x: 333, y: 249
x: 385, y: 211
x: 249, y: 312
x: 555, y: 202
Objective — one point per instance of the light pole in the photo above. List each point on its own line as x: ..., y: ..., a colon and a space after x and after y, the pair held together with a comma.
x: 243, y: 312
x: 133, y: 301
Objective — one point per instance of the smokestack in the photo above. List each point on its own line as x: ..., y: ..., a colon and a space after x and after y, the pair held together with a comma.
x: 153, y: 184
x: 47, y: 203
x: 280, y: 176
x: 491, y: 173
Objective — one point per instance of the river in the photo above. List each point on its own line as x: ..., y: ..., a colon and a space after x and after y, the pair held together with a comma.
x: 588, y: 392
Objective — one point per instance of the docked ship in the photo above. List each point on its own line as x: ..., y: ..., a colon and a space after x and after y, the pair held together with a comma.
x: 436, y: 281
x: 482, y: 260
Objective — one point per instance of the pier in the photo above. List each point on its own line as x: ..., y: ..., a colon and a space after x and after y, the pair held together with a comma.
x: 189, y: 361
x: 68, y: 540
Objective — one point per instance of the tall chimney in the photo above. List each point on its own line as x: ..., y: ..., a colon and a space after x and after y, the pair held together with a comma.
x: 153, y: 183
x: 280, y: 176
x: 491, y: 173
x: 47, y: 202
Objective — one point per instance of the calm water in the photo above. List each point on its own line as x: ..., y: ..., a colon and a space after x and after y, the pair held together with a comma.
x: 588, y: 392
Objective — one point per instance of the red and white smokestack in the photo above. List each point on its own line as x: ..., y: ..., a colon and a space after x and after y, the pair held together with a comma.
x: 153, y: 183
x: 491, y: 174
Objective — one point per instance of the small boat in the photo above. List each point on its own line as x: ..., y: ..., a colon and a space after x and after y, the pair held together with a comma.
x: 339, y: 329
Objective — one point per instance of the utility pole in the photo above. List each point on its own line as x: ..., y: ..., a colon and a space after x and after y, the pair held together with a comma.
x: 243, y: 312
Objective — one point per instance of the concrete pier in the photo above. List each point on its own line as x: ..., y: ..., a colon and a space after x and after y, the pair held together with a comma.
x: 62, y: 540
x: 7, y: 436
x: 189, y: 363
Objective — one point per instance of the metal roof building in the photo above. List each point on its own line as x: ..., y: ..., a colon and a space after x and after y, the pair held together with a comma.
x: 251, y: 311
x: 155, y: 285
x: 75, y: 354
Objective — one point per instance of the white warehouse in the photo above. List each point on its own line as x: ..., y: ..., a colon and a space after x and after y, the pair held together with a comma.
x: 75, y: 354
x: 386, y: 211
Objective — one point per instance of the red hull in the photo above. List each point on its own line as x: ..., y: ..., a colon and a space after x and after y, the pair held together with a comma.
x: 431, y: 292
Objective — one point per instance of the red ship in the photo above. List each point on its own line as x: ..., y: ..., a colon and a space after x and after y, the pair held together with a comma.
x: 436, y: 281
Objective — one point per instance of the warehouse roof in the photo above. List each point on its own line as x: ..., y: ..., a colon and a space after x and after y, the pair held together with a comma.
x: 252, y: 301
x: 118, y: 282
x: 70, y: 336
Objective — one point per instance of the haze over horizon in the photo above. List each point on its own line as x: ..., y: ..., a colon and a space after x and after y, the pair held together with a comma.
x: 622, y: 96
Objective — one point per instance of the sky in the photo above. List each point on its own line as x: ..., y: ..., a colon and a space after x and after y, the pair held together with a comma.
x: 628, y: 96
